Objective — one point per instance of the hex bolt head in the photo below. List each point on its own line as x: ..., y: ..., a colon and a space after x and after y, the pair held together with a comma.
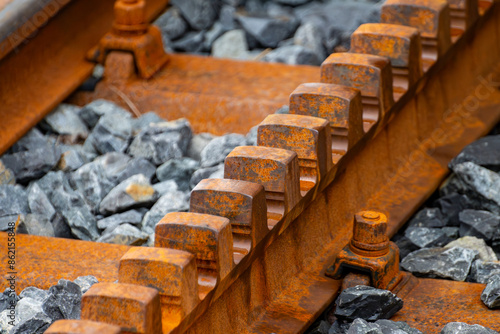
x: 369, y: 234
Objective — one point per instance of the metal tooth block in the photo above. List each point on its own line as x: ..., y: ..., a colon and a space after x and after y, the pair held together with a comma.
x: 372, y: 75
x: 369, y: 251
x: 340, y: 105
x: 430, y: 17
x: 134, y: 308
x: 172, y: 272
x: 81, y: 327
x: 275, y: 169
x: 401, y: 44
x: 208, y: 237
x: 463, y: 13
x: 307, y: 136
x: 243, y: 203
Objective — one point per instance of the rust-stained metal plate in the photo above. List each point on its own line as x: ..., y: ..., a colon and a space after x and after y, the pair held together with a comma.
x: 434, y: 302
x: 215, y: 95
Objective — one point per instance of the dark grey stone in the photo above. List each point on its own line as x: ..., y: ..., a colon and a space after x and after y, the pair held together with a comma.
x: 451, y: 205
x: 227, y: 16
x: 396, y: 327
x: 292, y: 2
x: 338, y: 26
x: 13, y: 201
x: 251, y: 137
x: 479, y: 223
x: 175, y: 201
x: 37, y: 324
x: 111, y: 133
x: 425, y: 237
x: 217, y: 150
x: 191, y: 42
x: 171, y: 23
x: 63, y: 301
x: 34, y: 293
x: 162, y: 141
x: 463, y: 328
x: 367, y: 303
x: 479, y: 179
x: 310, y: 36
x: 405, y: 246
x: 269, y: 31
x: 144, y: 121
x: 85, y: 282
x: 453, y: 263
x: 119, y: 166
x: 451, y: 231
x: 39, y: 203
x: 61, y: 227
x: 90, y: 181
x: 453, y: 185
x: 483, y: 152
x: 179, y: 170
x: 485, y: 252
x: 32, y: 156
x: 36, y: 225
x: 482, y: 271
x: 292, y: 55
x: 133, y: 217
x: 321, y: 328
x: 197, y: 145
x: 205, y: 173
x: 428, y: 217
x: 360, y: 326
x: 491, y: 293
x: 133, y: 192
x: 70, y: 204
x: 6, y: 175
x: 200, y: 14
x: 124, y: 234
x: 64, y: 120
x: 92, y: 112
x: 339, y: 327
x: 8, y: 299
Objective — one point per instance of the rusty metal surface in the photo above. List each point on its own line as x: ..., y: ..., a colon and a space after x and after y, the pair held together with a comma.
x: 215, y: 95
x: 43, y: 261
x: 82, y: 327
x: 433, y: 302
x: 30, y: 87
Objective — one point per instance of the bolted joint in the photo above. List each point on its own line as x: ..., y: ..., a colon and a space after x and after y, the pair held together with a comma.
x: 369, y: 234
x: 369, y: 252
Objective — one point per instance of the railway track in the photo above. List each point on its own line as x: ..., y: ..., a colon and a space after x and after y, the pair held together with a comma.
x: 372, y: 129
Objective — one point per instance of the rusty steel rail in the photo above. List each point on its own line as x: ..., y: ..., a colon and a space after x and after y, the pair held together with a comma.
x: 254, y: 252
x: 44, y: 60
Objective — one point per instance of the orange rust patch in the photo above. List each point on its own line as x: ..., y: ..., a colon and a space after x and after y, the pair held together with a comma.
x: 139, y: 192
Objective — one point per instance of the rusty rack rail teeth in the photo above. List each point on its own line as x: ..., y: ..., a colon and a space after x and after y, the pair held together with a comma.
x: 255, y: 251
